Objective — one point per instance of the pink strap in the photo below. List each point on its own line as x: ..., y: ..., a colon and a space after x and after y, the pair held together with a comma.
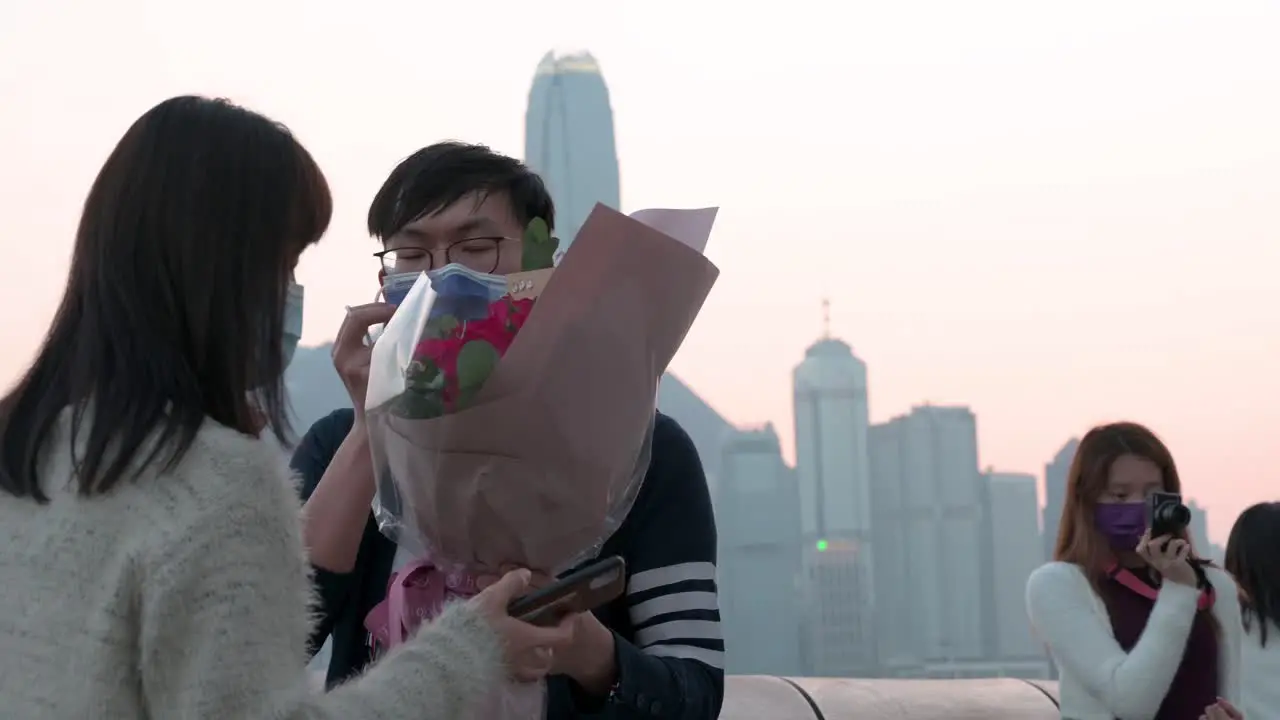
x: 1131, y: 581
x: 398, y: 619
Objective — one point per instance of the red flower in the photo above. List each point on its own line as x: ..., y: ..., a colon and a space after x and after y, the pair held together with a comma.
x: 498, y: 329
x: 493, y: 330
x: 515, y: 312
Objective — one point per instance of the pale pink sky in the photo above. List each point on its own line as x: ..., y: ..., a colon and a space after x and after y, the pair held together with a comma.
x: 1057, y: 213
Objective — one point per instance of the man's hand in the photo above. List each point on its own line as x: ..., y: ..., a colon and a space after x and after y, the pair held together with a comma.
x: 351, y: 353
x: 590, y: 657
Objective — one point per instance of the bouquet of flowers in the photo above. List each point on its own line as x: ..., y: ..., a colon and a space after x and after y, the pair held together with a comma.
x: 510, y: 418
x: 470, y: 324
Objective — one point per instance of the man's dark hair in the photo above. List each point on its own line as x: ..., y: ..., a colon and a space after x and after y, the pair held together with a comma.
x: 173, y: 314
x: 437, y: 176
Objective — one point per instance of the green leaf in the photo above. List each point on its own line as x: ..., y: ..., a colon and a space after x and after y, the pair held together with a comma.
x: 418, y: 406
x: 441, y: 326
x: 537, y: 230
x: 539, y: 246
x: 476, y: 361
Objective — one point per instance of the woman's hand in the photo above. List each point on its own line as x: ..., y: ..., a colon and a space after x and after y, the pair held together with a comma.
x: 1222, y: 710
x: 530, y: 650
x: 1168, y: 556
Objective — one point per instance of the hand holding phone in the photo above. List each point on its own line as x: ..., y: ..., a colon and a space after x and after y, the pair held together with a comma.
x: 580, y: 591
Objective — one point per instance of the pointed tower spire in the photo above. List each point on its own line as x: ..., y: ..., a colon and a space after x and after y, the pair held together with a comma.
x: 826, y: 319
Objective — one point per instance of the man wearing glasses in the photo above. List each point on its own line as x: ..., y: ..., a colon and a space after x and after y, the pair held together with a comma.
x: 657, y: 652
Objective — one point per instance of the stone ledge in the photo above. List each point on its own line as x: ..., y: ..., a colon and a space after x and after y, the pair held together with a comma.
x: 758, y: 697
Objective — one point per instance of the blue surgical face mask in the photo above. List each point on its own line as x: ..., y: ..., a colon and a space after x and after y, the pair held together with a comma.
x: 292, y: 321
x: 396, y: 286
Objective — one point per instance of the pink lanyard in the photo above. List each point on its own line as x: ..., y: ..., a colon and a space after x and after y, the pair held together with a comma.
x: 1131, y: 581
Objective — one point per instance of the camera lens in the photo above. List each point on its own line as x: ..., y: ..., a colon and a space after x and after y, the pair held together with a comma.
x: 1173, y: 515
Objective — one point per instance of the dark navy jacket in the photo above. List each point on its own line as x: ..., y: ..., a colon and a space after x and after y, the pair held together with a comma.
x: 670, y: 651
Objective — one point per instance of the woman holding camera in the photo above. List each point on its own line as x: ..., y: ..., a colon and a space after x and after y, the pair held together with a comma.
x: 1139, y: 627
x: 1252, y: 559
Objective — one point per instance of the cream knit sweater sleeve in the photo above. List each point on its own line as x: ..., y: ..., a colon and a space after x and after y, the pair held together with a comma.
x: 1067, y: 615
x: 223, y: 620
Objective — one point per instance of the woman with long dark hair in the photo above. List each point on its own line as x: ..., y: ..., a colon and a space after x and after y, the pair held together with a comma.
x: 150, y: 551
x: 1253, y: 557
x: 1139, y: 626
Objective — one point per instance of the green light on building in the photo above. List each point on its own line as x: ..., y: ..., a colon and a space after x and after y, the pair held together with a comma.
x: 822, y: 546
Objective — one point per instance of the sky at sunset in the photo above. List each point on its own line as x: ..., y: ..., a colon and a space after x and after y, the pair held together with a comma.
x: 1056, y: 213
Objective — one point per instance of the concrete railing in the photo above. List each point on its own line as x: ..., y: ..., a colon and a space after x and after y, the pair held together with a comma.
x: 759, y: 697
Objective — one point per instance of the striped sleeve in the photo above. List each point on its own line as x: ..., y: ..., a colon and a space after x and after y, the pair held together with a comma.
x: 673, y: 665
x: 676, y: 613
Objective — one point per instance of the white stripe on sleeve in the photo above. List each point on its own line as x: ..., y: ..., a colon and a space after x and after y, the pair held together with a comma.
x: 670, y: 575
x: 673, y: 603
x: 713, y: 658
x: 679, y: 630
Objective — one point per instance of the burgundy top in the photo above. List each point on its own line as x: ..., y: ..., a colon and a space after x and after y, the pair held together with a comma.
x: 1195, y: 685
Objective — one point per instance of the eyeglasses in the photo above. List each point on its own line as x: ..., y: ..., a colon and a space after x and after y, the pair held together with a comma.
x: 479, y: 253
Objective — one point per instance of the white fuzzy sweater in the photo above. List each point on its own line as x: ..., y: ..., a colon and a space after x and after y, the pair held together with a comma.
x: 1098, y: 679
x: 1261, y: 695
x: 183, y: 596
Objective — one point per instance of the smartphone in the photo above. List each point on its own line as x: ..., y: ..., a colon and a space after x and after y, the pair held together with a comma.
x: 585, y: 589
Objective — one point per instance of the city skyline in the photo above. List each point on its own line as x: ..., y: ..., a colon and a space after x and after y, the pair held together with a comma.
x: 1096, y: 245
x: 907, y: 559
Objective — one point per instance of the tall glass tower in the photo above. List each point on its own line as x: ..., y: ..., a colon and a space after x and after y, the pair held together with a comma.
x: 568, y: 138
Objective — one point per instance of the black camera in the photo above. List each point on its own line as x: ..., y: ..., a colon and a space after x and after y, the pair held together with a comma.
x: 1166, y: 515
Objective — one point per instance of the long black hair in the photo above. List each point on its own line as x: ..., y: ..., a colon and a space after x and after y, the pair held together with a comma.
x: 173, y: 311
x: 1252, y: 558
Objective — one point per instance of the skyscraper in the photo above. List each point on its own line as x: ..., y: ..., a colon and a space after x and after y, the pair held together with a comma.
x: 758, y: 523
x: 1055, y: 493
x: 568, y: 138
x: 831, y: 419
x: 1199, y: 529
x: 898, y: 651
x: 929, y: 502
x: 830, y: 388
x: 1016, y: 551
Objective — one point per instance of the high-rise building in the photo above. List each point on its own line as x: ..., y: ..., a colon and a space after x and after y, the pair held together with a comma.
x: 568, y: 138
x: 1055, y: 493
x: 1199, y: 528
x: 1217, y: 554
x: 758, y: 523
x: 930, y: 505
x: 1016, y: 551
x: 831, y: 419
x: 897, y: 650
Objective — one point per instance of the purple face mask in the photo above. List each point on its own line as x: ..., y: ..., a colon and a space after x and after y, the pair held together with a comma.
x: 1122, y: 523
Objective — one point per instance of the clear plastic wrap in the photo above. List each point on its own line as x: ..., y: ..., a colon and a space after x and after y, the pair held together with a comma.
x: 510, y: 418
x: 417, y: 419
